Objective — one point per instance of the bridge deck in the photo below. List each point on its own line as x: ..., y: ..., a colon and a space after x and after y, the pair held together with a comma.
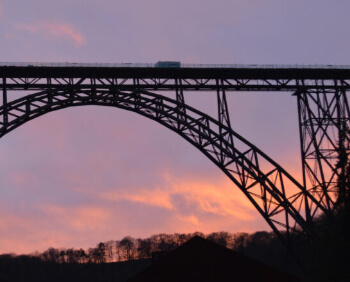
x: 220, y: 71
x: 39, y: 76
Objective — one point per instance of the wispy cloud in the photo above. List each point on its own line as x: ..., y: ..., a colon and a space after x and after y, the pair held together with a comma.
x: 56, y: 31
x: 222, y: 199
x: 192, y: 219
x: 155, y: 198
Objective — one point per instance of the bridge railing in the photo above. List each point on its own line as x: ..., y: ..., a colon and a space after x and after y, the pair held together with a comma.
x: 151, y: 65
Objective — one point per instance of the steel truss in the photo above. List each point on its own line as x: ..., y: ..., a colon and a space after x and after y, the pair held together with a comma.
x: 166, y: 84
x: 286, y: 205
x: 324, y: 122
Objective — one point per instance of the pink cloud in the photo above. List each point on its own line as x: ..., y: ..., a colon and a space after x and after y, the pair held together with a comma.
x: 57, y: 31
x: 53, y: 225
x: 157, y: 198
x: 12, y: 239
x: 80, y: 218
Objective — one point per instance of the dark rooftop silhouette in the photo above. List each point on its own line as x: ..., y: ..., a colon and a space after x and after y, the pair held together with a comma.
x: 202, y: 260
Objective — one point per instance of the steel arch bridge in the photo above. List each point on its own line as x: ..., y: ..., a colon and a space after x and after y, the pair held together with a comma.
x: 289, y: 207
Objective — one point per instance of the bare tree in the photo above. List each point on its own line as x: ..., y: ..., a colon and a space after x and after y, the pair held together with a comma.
x: 118, y: 251
x: 128, y: 245
x: 144, y: 248
x: 240, y: 241
x: 109, y: 251
x: 51, y: 255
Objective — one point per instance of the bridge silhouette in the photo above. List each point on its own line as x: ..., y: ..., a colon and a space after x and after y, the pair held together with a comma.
x: 289, y: 207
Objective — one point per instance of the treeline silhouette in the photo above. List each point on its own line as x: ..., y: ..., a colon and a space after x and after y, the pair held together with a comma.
x: 129, y: 255
x: 130, y: 248
x: 327, y: 259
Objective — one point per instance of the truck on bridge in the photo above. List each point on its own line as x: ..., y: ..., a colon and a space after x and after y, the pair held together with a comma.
x: 167, y: 64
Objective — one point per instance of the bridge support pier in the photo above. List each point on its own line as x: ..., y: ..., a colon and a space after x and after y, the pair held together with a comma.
x: 324, y: 123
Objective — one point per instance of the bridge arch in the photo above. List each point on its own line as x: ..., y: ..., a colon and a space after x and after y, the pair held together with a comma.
x: 266, y: 190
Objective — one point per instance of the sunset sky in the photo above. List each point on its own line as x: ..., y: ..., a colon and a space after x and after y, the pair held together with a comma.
x: 79, y: 176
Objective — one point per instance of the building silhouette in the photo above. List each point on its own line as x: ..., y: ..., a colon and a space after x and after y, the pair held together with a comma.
x: 202, y: 260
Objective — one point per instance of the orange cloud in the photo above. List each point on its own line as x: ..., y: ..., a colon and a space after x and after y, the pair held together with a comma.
x: 157, y: 198
x: 221, y: 198
x: 193, y: 220
x: 58, y: 31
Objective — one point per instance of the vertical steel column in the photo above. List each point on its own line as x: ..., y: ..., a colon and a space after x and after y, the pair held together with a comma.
x: 180, y: 99
x: 324, y: 123
x: 50, y: 94
x: 135, y: 93
x: 93, y: 89
x: 4, y: 103
x: 224, y: 119
x: 71, y: 91
x: 302, y: 117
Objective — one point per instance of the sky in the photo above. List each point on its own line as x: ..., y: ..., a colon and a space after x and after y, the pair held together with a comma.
x: 83, y: 175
